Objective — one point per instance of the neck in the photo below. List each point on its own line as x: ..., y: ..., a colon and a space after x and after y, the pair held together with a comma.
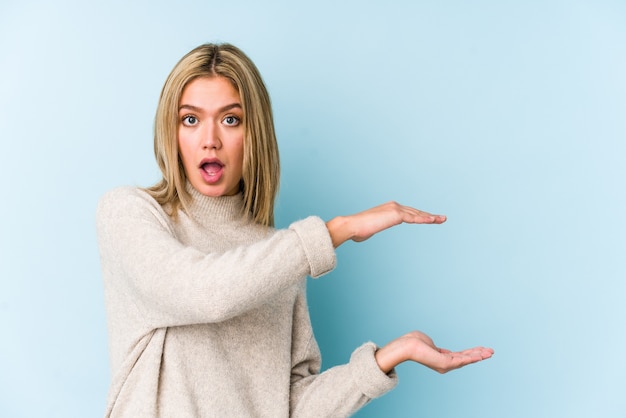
x: 215, y: 209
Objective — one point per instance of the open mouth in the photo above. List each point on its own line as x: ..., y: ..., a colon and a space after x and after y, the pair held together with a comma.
x: 212, y: 167
x: 211, y: 170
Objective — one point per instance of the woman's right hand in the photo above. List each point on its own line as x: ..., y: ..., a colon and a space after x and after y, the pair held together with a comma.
x: 363, y: 225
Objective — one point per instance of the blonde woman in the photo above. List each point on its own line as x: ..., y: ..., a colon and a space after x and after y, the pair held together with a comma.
x: 205, y: 299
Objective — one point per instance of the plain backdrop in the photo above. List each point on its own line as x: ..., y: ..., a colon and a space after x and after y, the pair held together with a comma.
x: 507, y: 116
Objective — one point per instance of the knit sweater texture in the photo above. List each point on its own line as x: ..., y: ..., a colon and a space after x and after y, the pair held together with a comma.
x: 207, y: 314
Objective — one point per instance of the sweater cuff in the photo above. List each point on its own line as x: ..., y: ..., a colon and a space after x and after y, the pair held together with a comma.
x: 317, y: 245
x: 367, y: 375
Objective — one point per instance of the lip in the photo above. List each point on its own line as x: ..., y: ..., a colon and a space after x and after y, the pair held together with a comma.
x: 210, y: 160
x: 216, y: 172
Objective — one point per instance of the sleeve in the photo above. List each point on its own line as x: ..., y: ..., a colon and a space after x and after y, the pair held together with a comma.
x: 173, y: 284
x: 339, y: 391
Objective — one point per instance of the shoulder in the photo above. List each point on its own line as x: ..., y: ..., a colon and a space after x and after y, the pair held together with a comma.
x: 124, y: 193
x: 129, y: 203
x: 120, y: 198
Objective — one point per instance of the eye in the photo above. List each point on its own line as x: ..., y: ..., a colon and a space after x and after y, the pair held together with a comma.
x: 231, y: 120
x: 190, y: 120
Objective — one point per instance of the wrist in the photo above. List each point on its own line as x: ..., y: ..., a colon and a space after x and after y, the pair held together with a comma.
x: 391, y: 355
x: 338, y: 229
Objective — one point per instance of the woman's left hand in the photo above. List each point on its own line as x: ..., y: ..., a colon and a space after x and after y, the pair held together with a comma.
x: 420, y: 348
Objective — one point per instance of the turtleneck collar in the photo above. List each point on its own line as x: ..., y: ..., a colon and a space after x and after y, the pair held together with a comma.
x: 207, y: 209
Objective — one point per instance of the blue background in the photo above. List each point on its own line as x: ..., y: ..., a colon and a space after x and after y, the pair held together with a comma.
x: 509, y: 117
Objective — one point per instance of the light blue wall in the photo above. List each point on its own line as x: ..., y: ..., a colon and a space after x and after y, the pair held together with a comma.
x: 509, y: 117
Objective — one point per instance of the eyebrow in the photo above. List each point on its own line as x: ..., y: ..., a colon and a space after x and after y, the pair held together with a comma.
x: 198, y: 109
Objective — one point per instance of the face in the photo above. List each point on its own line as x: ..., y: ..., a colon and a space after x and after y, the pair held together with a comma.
x: 210, y: 135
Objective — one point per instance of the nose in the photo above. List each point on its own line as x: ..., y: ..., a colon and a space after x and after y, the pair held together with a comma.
x: 211, y: 138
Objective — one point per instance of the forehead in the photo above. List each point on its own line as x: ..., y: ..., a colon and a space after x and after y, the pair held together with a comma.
x: 209, y: 92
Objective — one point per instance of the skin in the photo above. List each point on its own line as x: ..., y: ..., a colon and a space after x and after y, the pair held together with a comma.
x: 418, y: 347
x: 211, y: 131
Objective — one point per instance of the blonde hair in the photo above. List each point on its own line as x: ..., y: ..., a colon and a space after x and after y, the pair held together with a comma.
x: 261, y: 167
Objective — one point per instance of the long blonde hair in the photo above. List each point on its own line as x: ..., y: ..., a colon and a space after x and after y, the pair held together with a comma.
x: 261, y: 166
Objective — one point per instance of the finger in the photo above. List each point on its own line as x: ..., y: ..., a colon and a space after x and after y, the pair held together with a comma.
x: 478, y: 351
x: 420, y: 216
x: 471, y: 356
x: 424, y: 218
x: 412, y: 215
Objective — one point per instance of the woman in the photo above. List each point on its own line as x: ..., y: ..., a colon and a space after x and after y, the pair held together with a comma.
x: 206, y: 303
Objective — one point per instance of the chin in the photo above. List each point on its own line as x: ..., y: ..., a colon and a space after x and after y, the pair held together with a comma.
x: 216, y: 191
x: 212, y: 192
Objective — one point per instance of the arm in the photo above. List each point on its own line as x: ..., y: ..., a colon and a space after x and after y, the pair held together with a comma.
x: 342, y: 390
x: 339, y: 391
x: 173, y: 284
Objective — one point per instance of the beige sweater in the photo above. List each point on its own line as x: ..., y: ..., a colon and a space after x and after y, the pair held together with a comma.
x: 207, y: 315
